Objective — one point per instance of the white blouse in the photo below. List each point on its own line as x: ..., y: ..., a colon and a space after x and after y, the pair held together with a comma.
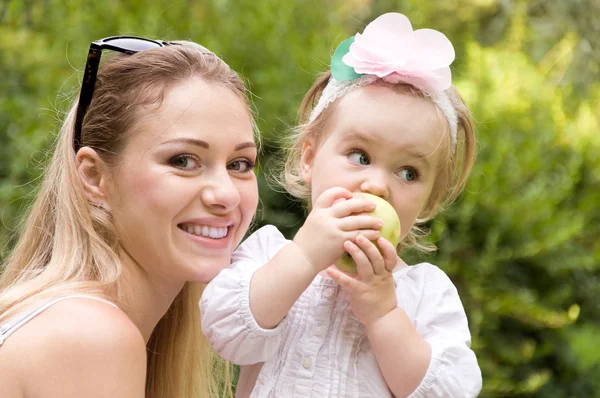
x: 320, y: 349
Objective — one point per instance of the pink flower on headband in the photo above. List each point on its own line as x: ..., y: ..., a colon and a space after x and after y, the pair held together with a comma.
x: 391, y: 50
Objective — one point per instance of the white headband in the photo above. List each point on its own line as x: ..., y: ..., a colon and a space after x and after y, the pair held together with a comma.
x: 390, y: 50
x: 336, y: 89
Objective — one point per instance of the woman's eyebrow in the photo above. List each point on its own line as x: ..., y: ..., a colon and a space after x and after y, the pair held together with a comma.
x: 204, y: 144
x: 244, y: 145
x: 191, y: 141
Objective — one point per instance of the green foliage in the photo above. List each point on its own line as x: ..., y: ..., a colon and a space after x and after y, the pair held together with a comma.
x: 521, y: 241
x: 520, y: 244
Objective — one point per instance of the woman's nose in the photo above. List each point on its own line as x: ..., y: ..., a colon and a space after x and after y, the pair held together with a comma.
x: 220, y: 192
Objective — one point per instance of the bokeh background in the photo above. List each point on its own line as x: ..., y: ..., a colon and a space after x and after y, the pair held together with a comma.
x: 522, y: 244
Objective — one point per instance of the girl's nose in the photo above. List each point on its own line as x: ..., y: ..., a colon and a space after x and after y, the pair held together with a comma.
x: 376, y: 183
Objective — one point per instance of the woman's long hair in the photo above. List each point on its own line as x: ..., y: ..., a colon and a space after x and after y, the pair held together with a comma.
x: 66, y: 245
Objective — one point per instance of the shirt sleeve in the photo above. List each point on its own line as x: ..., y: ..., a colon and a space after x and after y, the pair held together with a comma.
x: 225, y: 313
x: 440, y: 319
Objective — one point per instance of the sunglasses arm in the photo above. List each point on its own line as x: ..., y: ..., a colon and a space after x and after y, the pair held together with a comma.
x: 87, y: 90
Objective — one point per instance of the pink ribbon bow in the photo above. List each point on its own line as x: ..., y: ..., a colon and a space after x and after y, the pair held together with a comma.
x: 391, y: 50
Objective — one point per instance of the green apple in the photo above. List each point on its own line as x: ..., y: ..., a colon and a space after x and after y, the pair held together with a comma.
x: 390, y: 230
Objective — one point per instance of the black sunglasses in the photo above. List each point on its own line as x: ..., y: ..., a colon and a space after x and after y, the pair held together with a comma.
x: 123, y: 44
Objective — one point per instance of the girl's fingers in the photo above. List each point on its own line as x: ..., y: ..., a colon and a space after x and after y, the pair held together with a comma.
x: 363, y: 221
x: 388, y: 251
x: 370, y: 234
x: 331, y: 196
x: 363, y: 265
x: 374, y: 257
x: 355, y: 205
x: 345, y: 281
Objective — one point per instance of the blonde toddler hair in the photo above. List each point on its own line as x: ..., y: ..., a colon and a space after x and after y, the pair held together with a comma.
x: 452, y: 173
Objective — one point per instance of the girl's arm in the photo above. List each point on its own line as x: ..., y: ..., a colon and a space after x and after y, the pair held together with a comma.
x: 429, y: 356
x: 319, y: 243
x: 226, y: 318
x: 242, y: 309
x: 277, y: 285
x: 440, y: 319
x: 402, y: 354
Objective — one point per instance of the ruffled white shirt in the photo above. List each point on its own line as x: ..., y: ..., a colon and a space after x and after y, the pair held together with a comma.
x: 320, y: 349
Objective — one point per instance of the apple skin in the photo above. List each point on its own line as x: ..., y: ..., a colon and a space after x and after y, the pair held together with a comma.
x: 390, y: 230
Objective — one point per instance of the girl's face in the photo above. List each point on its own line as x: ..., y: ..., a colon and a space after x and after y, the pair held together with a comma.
x: 383, y: 143
x: 184, y: 193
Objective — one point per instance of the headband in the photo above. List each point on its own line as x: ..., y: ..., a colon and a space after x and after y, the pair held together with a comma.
x: 390, y: 50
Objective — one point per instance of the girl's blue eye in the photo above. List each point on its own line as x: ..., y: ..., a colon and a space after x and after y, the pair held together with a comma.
x: 408, y: 174
x: 241, y: 165
x: 359, y: 157
x: 184, y: 162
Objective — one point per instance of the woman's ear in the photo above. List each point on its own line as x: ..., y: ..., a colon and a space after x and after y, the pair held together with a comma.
x: 306, y: 160
x: 93, y: 175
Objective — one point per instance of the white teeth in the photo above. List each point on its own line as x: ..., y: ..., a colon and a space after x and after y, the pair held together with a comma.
x: 217, y: 233
x: 205, y: 230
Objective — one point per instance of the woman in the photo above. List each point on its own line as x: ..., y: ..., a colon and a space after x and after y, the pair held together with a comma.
x: 150, y: 189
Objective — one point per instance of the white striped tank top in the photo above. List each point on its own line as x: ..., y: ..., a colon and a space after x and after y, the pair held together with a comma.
x: 16, y: 322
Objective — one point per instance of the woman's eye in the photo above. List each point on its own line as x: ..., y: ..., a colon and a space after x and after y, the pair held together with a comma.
x: 184, y: 162
x: 359, y: 157
x: 241, y: 165
x: 408, y: 174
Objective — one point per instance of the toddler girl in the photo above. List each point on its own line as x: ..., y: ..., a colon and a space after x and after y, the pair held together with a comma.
x: 386, y: 121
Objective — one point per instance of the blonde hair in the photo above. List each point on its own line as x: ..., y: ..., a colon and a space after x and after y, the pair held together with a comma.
x: 67, y: 245
x: 452, y: 174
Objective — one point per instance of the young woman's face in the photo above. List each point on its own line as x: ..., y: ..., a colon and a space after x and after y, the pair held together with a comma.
x: 184, y: 193
x: 383, y: 143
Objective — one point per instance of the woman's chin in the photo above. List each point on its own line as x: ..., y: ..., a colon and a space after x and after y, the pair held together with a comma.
x: 208, y: 270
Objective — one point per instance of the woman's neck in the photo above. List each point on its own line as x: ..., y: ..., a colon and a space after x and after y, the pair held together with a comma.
x: 145, y: 298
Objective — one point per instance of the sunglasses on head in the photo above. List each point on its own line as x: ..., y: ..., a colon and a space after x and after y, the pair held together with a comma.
x: 123, y: 44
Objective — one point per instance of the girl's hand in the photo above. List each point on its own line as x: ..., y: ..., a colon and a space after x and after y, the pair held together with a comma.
x: 372, y: 292
x: 335, y: 218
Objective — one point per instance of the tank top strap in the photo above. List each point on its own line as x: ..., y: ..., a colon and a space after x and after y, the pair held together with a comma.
x: 15, y: 323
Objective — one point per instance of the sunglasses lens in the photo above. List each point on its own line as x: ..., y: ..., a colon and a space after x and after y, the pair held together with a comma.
x: 131, y: 44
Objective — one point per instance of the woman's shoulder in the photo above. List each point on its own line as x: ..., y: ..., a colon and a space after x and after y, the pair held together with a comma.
x: 82, y: 318
x: 75, y: 341
x: 91, y: 324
